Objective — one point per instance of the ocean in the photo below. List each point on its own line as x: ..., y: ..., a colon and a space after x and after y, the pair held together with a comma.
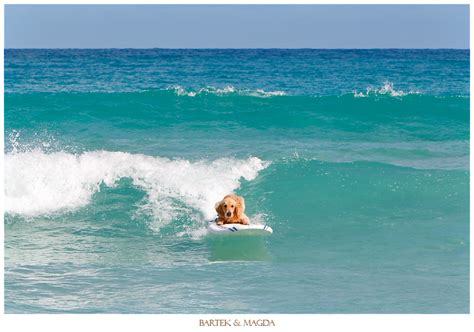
x: 358, y: 160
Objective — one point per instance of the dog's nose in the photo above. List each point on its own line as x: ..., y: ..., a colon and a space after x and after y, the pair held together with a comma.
x: 229, y: 214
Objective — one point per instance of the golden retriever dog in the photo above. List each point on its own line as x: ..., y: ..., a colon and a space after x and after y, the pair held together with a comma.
x: 231, y: 211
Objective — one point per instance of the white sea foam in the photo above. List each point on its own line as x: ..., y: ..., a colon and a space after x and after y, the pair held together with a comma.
x: 386, y: 89
x: 229, y: 89
x: 270, y: 93
x: 39, y: 183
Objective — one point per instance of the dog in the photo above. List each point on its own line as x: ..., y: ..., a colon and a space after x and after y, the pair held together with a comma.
x: 231, y: 211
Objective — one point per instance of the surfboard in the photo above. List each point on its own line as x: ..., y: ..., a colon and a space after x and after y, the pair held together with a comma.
x: 238, y: 229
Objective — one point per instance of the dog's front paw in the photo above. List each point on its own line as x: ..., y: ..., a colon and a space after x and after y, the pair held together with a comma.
x: 220, y: 223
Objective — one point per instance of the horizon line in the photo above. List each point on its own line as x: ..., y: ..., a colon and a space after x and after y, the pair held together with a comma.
x: 233, y: 48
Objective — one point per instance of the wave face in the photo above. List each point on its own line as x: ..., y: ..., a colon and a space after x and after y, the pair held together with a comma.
x: 417, y: 131
x: 359, y: 161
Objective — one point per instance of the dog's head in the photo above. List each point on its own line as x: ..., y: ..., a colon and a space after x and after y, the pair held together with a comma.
x: 230, y: 208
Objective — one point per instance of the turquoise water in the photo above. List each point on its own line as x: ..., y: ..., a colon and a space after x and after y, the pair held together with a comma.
x: 358, y: 160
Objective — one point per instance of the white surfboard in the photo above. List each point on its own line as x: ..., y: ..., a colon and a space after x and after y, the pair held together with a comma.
x: 238, y: 229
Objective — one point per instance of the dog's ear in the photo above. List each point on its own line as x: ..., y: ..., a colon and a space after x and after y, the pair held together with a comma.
x: 240, y: 208
x: 219, y: 209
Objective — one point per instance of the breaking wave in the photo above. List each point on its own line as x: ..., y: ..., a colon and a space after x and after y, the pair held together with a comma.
x: 39, y: 183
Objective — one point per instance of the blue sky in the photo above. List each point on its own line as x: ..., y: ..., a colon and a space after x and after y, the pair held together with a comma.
x: 237, y: 26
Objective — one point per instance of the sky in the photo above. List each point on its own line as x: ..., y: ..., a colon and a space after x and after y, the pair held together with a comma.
x: 236, y: 26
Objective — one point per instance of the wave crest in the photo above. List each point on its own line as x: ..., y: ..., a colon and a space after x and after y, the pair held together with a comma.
x: 229, y: 89
x: 386, y: 89
x: 39, y: 183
